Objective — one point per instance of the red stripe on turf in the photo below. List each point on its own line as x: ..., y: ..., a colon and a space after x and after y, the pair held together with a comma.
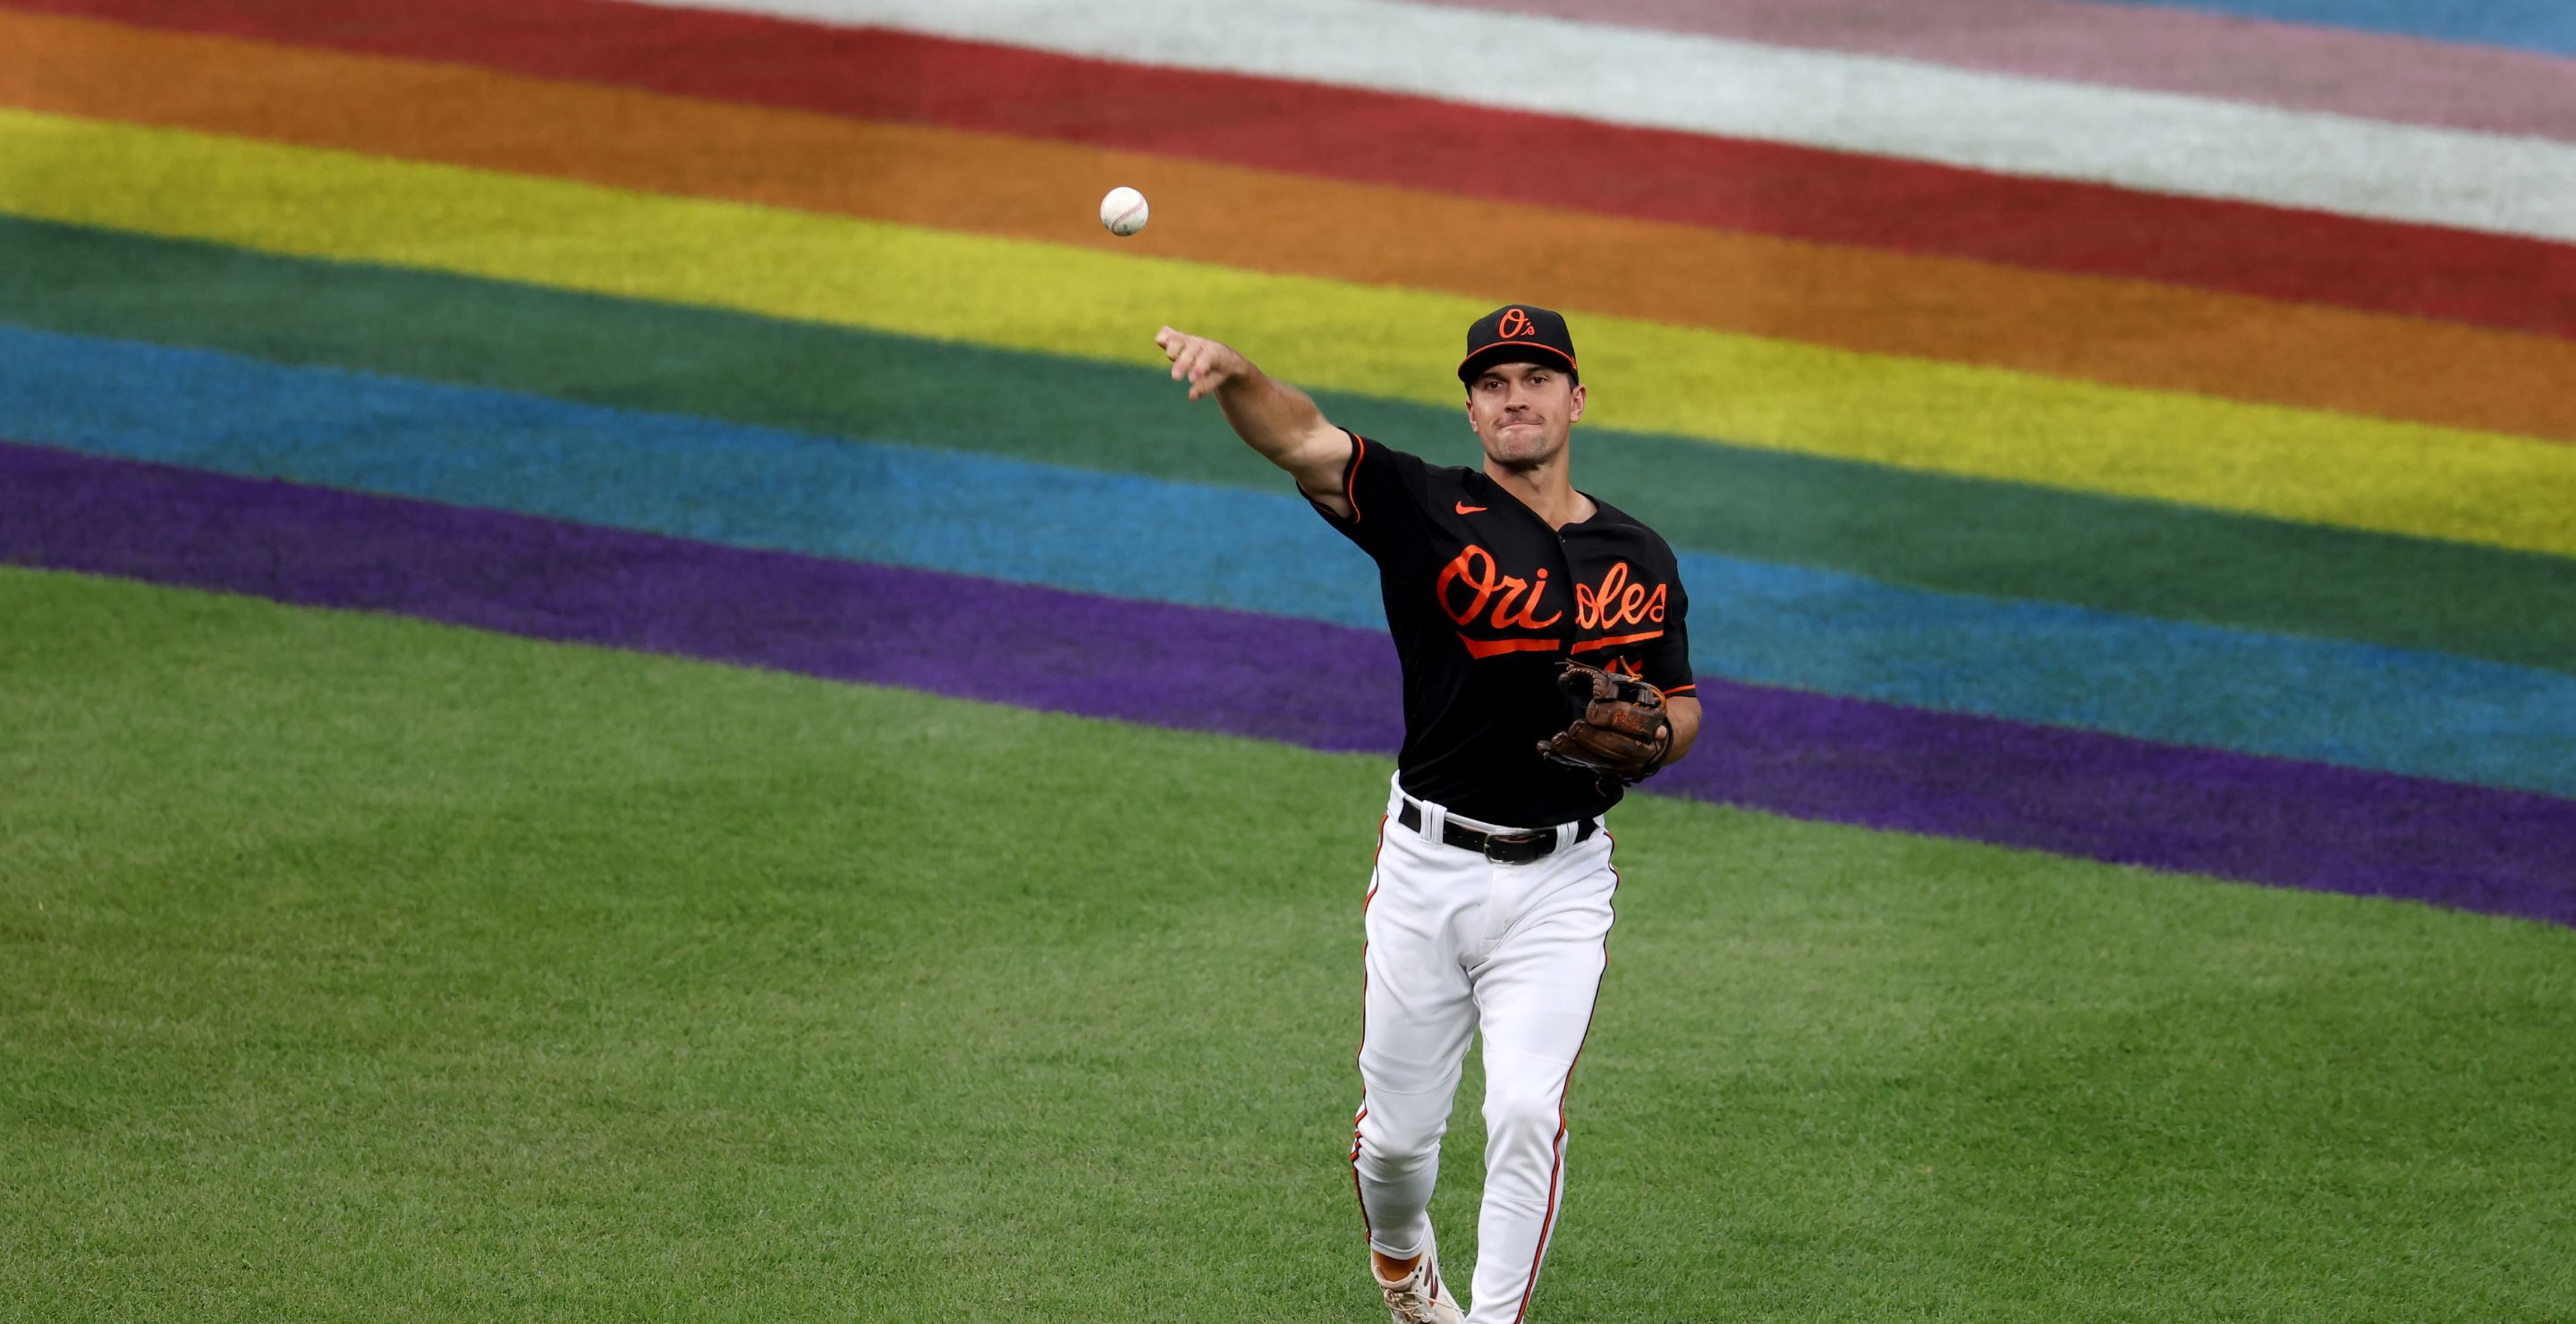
x: 2492, y: 280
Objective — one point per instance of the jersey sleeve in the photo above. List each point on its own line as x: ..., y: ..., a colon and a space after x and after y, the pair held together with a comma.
x: 1666, y: 664
x: 1385, y: 487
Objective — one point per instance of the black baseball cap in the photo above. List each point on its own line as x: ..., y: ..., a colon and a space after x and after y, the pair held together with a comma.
x: 1518, y: 333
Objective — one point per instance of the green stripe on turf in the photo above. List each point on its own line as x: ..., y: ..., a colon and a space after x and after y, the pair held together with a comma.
x: 1905, y: 527
x: 366, y: 968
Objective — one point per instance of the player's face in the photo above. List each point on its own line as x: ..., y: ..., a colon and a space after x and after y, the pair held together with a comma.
x: 1523, y: 412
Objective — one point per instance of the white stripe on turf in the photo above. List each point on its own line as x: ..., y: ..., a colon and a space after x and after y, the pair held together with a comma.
x: 2154, y: 141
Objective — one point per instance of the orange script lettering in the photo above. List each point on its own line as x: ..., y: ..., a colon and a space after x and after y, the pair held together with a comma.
x: 1471, y: 582
x: 1617, y: 602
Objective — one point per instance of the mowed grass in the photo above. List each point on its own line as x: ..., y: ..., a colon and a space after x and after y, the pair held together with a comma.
x: 359, y: 968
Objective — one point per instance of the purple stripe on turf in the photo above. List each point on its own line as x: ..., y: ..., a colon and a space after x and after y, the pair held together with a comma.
x: 974, y: 638
x: 2130, y: 801
x: 1328, y: 687
x: 2343, y: 71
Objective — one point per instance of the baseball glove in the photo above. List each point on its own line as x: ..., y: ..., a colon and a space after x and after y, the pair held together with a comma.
x: 1620, y: 728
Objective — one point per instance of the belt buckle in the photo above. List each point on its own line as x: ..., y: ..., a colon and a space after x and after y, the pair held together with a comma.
x: 1517, y: 847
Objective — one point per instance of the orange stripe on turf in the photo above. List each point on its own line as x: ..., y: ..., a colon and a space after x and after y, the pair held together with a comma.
x: 2130, y: 333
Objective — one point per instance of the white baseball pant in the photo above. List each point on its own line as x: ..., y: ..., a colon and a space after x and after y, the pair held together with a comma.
x: 1457, y: 944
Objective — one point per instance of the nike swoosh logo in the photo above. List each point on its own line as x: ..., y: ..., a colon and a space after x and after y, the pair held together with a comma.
x: 1465, y: 509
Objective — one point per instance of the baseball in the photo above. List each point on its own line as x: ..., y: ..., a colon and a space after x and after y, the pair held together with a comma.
x: 1123, y: 211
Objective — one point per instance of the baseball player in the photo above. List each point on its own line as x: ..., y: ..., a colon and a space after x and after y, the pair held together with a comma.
x: 1545, y: 667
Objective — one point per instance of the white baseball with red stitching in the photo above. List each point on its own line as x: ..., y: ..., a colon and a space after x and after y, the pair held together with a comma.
x: 1123, y: 211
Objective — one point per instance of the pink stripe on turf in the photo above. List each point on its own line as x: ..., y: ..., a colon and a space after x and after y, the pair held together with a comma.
x: 2370, y: 75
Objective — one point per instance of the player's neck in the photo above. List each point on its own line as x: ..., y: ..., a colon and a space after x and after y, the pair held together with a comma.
x: 1546, y: 488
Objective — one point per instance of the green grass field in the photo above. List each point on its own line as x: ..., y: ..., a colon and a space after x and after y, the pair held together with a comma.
x: 359, y: 968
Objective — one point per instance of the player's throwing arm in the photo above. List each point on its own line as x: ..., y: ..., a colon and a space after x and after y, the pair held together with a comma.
x: 1271, y: 416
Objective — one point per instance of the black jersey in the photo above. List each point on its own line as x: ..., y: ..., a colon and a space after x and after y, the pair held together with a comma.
x: 1484, y: 600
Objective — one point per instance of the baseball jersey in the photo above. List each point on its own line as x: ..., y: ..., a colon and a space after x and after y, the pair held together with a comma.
x: 1485, y: 600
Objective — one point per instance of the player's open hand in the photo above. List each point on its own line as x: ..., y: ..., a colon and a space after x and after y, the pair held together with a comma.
x: 1203, y: 363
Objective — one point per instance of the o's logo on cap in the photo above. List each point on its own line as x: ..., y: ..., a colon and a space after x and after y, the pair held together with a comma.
x: 1515, y: 324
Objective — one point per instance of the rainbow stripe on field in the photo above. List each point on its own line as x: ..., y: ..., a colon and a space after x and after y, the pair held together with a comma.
x: 2144, y: 433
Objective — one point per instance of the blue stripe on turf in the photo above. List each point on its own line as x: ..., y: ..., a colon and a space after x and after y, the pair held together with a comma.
x: 2547, y: 26
x: 2357, y: 705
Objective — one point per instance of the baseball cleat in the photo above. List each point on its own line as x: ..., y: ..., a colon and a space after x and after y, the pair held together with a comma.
x: 1419, y: 1297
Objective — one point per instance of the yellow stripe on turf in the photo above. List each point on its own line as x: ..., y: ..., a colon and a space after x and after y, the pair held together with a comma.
x: 2287, y: 463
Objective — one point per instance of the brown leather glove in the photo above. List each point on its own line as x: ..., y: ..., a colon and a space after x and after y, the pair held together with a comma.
x: 1620, y: 728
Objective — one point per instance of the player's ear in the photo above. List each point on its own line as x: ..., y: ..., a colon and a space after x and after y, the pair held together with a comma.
x: 1577, y: 415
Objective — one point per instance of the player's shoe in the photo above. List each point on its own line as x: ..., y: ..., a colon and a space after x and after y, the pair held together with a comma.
x: 1420, y: 1297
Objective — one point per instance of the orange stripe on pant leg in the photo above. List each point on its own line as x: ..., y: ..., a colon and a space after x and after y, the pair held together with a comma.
x: 1556, y: 1165
x: 1367, y: 1233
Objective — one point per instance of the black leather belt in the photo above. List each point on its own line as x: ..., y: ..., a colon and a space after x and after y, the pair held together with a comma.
x: 1500, y: 847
